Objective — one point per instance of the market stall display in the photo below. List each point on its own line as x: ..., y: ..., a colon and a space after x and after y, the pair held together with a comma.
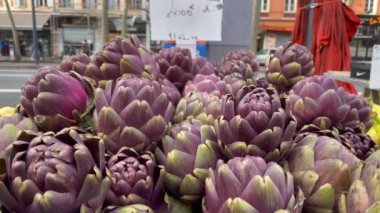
x: 131, y: 131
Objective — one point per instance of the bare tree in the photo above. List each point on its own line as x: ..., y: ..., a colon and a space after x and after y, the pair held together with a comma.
x: 14, y: 32
x: 124, y: 29
x: 104, y: 21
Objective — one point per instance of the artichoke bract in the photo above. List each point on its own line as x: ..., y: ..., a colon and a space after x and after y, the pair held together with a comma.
x: 123, y: 56
x: 134, y: 113
x: 290, y: 64
x: 363, y: 194
x: 56, y: 100
x: 11, y: 128
x: 248, y: 57
x: 204, y: 107
x: 248, y: 185
x: 261, y: 126
x: 187, y: 153
x: 135, y: 179
x: 323, y: 168
x: 54, y: 173
x: 318, y: 100
x: 176, y: 65
x: 360, y: 113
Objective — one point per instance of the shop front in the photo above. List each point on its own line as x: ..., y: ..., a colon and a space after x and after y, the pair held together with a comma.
x: 24, y: 27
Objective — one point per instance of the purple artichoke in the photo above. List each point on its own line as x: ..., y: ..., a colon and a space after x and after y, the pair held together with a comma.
x: 290, y: 64
x: 123, y: 56
x: 187, y: 153
x: 202, y: 66
x: 318, y: 100
x: 261, y: 127
x: 11, y: 128
x: 363, y: 194
x: 204, y: 107
x: 54, y: 173
x: 323, y: 168
x: 237, y: 69
x: 209, y: 84
x: 170, y: 90
x: 135, y: 208
x: 246, y: 56
x: 77, y: 63
x: 176, y: 65
x: 135, y: 179
x: 133, y: 113
x: 360, y: 113
x: 56, y: 100
x: 249, y: 184
x: 360, y: 144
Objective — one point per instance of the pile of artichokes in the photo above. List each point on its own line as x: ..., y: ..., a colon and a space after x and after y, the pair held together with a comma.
x: 129, y: 130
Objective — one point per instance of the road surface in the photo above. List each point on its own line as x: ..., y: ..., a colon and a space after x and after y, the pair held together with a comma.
x: 11, y: 81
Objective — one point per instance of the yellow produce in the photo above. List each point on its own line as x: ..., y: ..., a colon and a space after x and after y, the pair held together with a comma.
x: 7, y: 111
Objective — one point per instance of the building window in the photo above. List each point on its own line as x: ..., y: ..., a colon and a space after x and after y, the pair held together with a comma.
x: 290, y: 6
x: 89, y: 4
x: 113, y: 4
x: 265, y: 5
x: 43, y: 3
x: 67, y: 3
x: 135, y: 5
x: 371, y: 6
x: 19, y: 3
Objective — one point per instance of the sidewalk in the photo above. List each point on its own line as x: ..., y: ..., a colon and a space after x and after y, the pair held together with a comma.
x: 26, y: 63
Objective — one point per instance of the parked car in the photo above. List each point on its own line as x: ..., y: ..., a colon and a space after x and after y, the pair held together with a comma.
x: 263, y: 56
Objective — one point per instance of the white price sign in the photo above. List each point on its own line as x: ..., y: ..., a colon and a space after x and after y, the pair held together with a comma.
x: 186, y: 20
x: 374, y: 82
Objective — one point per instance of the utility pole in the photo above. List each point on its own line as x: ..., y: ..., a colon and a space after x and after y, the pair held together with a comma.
x: 104, y: 21
x: 14, y: 32
x: 310, y: 15
x: 256, y: 10
x: 146, y: 17
x: 124, y: 29
x: 35, y: 39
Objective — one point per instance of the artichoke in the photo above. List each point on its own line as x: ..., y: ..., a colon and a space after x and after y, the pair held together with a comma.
x: 249, y: 184
x: 318, y: 100
x: 261, y: 127
x: 176, y: 65
x: 56, y: 100
x: 135, y: 179
x: 135, y: 208
x: 209, y: 84
x: 360, y: 113
x: 290, y: 64
x: 204, y: 107
x: 323, y: 168
x: 248, y: 57
x: 11, y: 128
x: 237, y: 69
x: 360, y: 144
x: 170, y: 90
x: 202, y: 66
x: 54, y: 173
x: 77, y: 63
x: 133, y: 113
x: 123, y: 56
x: 363, y: 194
x: 187, y: 153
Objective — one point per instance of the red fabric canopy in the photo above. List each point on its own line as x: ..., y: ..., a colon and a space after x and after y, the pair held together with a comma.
x: 334, y: 25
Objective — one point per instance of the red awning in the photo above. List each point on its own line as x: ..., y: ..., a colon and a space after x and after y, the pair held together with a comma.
x: 277, y: 25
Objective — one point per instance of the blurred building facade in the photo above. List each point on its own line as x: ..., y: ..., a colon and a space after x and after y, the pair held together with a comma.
x: 67, y: 27
x: 278, y: 17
